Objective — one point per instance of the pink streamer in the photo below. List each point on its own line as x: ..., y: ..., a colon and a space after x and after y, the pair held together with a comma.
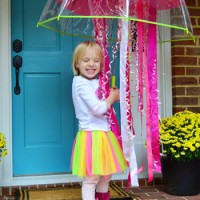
x: 152, y: 75
x: 141, y: 72
x: 129, y: 116
x: 148, y: 117
x: 140, y: 53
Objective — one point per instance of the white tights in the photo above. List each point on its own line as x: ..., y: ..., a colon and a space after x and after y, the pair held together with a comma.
x: 94, y: 183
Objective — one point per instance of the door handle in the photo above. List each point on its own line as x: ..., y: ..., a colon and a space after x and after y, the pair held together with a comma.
x: 17, y: 64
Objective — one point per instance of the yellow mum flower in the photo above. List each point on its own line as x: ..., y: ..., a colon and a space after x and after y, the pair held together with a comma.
x: 197, y: 145
x: 3, y: 149
x: 178, y: 144
x: 192, y: 148
x: 4, y: 153
x: 173, y: 150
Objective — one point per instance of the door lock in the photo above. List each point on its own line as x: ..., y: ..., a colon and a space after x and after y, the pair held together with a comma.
x: 17, y: 46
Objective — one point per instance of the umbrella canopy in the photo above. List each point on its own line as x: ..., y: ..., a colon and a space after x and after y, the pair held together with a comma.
x: 76, y: 16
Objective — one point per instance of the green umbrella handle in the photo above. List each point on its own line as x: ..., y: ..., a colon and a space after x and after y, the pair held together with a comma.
x: 113, y: 81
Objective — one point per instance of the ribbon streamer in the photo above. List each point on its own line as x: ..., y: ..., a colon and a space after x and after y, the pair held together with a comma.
x: 126, y: 129
x: 153, y: 76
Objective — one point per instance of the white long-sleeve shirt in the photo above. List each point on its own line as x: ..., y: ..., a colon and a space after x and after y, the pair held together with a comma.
x: 90, y: 110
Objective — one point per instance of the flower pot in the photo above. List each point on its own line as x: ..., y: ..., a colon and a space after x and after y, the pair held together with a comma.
x: 181, y: 178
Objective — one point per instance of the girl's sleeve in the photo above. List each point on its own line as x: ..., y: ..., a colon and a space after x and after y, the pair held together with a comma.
x: 88, y: 97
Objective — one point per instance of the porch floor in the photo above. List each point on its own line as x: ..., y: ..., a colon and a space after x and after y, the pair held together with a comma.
x: 146, y: 191
x: 157, y: 193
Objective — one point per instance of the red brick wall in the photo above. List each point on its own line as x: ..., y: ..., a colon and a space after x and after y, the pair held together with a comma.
x: 186, y: 66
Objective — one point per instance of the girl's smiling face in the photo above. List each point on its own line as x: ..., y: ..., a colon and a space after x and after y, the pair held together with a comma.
x: 89, y: 65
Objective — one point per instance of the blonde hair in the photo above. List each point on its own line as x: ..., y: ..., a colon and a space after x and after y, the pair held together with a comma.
x: 79, y: 53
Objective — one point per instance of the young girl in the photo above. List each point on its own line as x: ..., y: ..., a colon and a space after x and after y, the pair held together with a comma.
x: 96, y: 152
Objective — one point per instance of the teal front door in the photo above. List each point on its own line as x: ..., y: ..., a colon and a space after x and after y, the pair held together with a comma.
x: 43, y: 116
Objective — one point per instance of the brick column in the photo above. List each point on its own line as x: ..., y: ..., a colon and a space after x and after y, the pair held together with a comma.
x: 186, y: 66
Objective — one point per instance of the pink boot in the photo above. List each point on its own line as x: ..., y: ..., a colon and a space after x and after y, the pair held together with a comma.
x: 102, y: 196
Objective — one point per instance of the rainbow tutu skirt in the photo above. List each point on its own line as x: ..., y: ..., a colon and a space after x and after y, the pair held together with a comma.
x: 97, y: 153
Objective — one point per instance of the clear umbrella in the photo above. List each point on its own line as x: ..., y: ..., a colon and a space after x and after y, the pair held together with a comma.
x: 132, y: 28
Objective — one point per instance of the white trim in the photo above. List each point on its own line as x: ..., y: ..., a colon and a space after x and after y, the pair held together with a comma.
x: 5, y: 88
x: 164, y: 63
x: 6, y: 176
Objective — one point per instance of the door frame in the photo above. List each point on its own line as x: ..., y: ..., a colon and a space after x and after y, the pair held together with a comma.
x: 6, y: 166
